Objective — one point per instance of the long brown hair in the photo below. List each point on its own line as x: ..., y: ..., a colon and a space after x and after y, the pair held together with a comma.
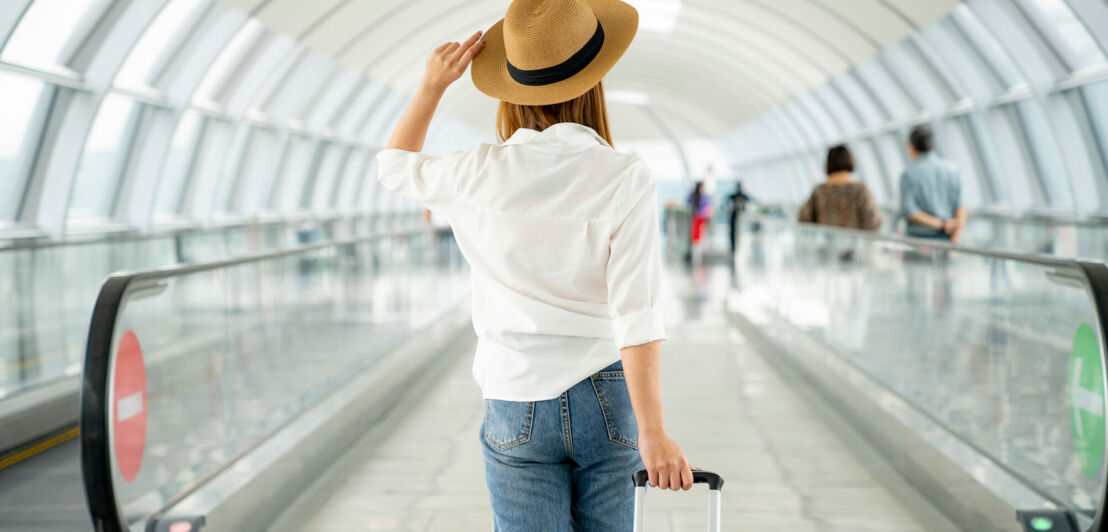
x: 587, y: 109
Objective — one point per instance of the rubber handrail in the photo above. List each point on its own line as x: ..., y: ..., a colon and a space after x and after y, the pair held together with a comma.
x: 918, y: 244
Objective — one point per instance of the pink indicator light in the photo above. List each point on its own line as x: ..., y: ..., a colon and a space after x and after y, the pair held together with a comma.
x: 181, y: 526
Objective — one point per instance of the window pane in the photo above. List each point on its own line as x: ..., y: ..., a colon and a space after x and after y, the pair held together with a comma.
x: 890, y: 148
x: 869, y: 170
x: 1017, y: 36
x: 968, y: 71
x: 258, y: 171
x: 229, y: 170
x: 998, y: 59
x: 178, y: 165
x: 886, y: 88
x: 16, y: 109
x: 954, y: 143
x: 1077, y: 141
x: 871, y: 115
x: 915, y: 77
x: 230, y: 57
x: 1048, y: 160
x: 1015, y: 161
x: 844, y: 117
x: 46, y: 28
x: 1065, y: 32
x: 327, y: 178
x: 94, y: 187
x: 144, y: 56
x: 298, y: 160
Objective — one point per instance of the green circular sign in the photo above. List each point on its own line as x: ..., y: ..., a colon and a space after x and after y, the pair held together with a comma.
x: 1086, y: 398
x: 1042, y: 523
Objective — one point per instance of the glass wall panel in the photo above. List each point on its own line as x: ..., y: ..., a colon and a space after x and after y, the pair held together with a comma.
x: 896, y: 101
x: 298, y: 160
x: 178, y: 165
x: 970, y: 72
x: 258, y: 171
x: 891, y: 149
x: 45, y: 30
x: 17, y: 107
x: 871, y: 114
x: 954, y: 143
x: 815, y: 113
x: 998, y: 60
x: 154, y: 42
x: 97, y: 180
x: 844, y: 116
x: 1004, y: 21
x: 1014, y: 157
x: 915, y: 78
x: 868, y: 168
x: 327, y: 178
x: 229, y: 170
x: 230, y: 57
x: 1077, y: 141
x: 1064, y: 32
x: 1048, y: 160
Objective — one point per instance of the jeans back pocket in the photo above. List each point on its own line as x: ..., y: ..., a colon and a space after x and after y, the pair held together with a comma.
x: 508, y: 423
x: 615, y: 403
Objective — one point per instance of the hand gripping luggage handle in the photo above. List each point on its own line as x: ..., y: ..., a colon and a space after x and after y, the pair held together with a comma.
x: 715, y: 485
x: 714, y: 481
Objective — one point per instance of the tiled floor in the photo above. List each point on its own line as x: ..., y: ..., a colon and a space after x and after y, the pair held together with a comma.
x: 785, y: 468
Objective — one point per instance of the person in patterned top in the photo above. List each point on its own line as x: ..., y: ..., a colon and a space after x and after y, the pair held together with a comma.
x: 841, y: 201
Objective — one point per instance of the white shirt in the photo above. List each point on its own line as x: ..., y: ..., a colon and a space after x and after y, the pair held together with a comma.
x: 561, y: 234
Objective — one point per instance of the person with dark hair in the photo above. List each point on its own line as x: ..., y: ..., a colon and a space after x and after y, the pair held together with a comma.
x: 700, y: 211
x: 738, y: 200
x: 841, y: 201
x: 931, y: 191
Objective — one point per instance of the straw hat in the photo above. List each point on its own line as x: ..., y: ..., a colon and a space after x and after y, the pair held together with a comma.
x: 551, y: 51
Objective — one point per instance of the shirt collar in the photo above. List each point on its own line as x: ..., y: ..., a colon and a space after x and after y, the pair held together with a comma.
x: 564, y: 137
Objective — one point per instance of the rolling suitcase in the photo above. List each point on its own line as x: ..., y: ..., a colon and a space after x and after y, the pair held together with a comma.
x: 714, y: 482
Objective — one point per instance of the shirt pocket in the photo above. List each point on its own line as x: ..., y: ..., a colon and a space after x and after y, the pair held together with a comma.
x: 508, y: 423
x: 615, y: 403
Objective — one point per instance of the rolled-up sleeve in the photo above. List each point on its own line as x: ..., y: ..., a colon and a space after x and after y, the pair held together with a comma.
x: 426, y: 179
x: 634, y: 272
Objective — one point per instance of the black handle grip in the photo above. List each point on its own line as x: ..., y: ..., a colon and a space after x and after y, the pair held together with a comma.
x: 713, y: 480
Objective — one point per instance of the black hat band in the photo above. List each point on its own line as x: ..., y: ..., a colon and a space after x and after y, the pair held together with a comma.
x: 564, y: 70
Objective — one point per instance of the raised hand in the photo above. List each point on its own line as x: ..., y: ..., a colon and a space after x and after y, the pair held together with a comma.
x: 449, y: 61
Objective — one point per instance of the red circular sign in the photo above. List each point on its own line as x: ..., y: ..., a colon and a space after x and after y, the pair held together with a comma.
x: 129, y: 407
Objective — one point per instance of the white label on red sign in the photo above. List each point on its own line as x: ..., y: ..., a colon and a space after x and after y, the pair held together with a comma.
x: 129, y: 407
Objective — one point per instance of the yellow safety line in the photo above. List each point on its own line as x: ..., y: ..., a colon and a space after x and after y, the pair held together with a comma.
x: 38, y: 448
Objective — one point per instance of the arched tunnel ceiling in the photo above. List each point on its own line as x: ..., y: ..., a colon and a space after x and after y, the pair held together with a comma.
x: 723, y: 62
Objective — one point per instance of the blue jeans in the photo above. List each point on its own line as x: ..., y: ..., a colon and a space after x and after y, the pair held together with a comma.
x: 564, y: 464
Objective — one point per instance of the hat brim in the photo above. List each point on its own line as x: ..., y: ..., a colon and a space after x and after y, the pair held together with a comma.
x: 490, y: 68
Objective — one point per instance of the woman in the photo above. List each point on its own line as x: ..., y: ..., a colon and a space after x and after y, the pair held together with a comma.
x: 561, y: 233
x: 841, y: 201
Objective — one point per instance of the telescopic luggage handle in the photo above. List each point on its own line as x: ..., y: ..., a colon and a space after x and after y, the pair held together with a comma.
x: 714, y: 482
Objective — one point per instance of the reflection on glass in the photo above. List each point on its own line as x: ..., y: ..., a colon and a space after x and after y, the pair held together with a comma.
x: 46, y: 28
x: 178, y: 165
x: 94, y: 187
x: 232, y: 355
x: 149, y: 49
x: 981, y: 345
x: 20, y: 94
